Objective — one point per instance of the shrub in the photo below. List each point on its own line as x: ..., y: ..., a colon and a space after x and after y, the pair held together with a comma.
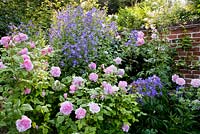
x: 81, y: 37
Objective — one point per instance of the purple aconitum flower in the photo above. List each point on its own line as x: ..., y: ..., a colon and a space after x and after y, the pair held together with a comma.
x: 149, y: 86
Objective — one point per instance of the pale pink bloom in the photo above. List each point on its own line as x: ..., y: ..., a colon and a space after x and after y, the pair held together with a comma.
x: 94, y: 107
x: 66, y: 108
x: 120, y: 72
x: 73, y: 88
x: 55, y: 71
x: 80, y: 113
x: 43, y: 93
x: 140, y: 41
x: 118, y: 60
x: 93, y: 77
x: 154, y: 36
x: 93, y: 96
x: 44, y: 51
x: 65, y: 95
x: 78, y: 81
x: 92, y: 66
x: 180, y: 81
x: 108, y: 89
x: 20, y: 37
x: 23, y: 124
x: 140, y: 34
x: 32, y: 44
x: 195, y: 82
x: 2, y: 65
x: 5, y: 41
x: 27, y: 91
x: 27, y: 64
x: 118, y: 37
x: 115, y: 88
x: 25, y: 57
x: 122, y: 84
x: 174, y: 77
x: 103, y: 66
x: 23, y: 51
x: 110, y: 69
x: 125, y: 128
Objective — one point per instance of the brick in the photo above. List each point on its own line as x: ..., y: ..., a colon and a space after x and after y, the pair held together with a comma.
x: 196, y: 72
x: 195, y: 43
x: 185, y: 71
x: 176, y: 31
x: 191, y: 76
x: 183, y: 35
x: 195, y: 34
x: 196, y: 53
x: 194, y: 29
x: 172, y: 36
x: 196, y: 40
x: 194, y: 49
x: 185, y: 53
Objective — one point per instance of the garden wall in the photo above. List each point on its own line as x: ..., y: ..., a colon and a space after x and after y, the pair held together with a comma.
x: 187, y: 37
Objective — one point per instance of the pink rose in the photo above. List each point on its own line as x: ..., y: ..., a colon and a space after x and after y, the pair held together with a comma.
x: 23, y: 51
x: 5, y: 41
x: 93, y: 77
x: 27, y: 64
x: 92, y: 66
x: 140, y: 41
x: 20, y: 37
x: 25, y: 57
x: 43, y: 93
x: 32, y: 44
x: 195, y: 82
x: 122, y: 84
x: 121, y: 72
x: 23, y: 124
x: 80, y: 113
x: 108, y: 89
x: 154, y: 36
x: 49, y: 49
x: 94, y: 107
x: 118, y: 60
x: 125, y: 128
x: 174, y: 77
x: 180, y: 81
x: 27, y: 91
x: 78, y: 81
x: 44, y: 51
x: 73, y: 88
x: 140, y: 34
x: 66, y: 108
x: 55, y: 71
x: 110, y: 69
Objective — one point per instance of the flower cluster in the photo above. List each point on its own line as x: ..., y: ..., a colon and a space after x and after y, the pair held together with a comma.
x: 135, y: 37
x: 76, y: 83
x: 149, y: 86
x: 79, y: 33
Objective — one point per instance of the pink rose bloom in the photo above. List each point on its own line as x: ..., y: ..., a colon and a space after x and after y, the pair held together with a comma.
x: 78, y: 81
x: 27, y: 91
x: 125, y: 128
x: 2, y: 65
x: 140, y: 34
x: 73, y: 88
x: 118, y: 60
x: 5, y: 41
x: 92, y: 66
x: 140, y: 41
x: 66, y: 108
x: 110, y: 69
x: 180, y: 81
x: 108, y: 89
x: 94, y: 107
x: 154, y: 36
x: 120, y: 72
x: 27, y: 64
x: 195, y: 82
x: 65, y: 95
x: 55, y: 71
x: 80, y: 113
x: 174, y: 77
x: 93, y: 77
x: 23, y: 124
x: 49, y: 49
x: 44, y: 51
x: 32, y: 44
x: 122, y: 84
x: 23, y: 51
x: 43, y: 93
x: 25, y: 57
x: 20, y: 37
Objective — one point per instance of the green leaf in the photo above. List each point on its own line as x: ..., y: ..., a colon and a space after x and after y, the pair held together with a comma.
x: 26, y: 107
x: 60, y: 119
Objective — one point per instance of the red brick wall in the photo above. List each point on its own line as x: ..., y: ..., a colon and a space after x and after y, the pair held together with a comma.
x: 192, y: 55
